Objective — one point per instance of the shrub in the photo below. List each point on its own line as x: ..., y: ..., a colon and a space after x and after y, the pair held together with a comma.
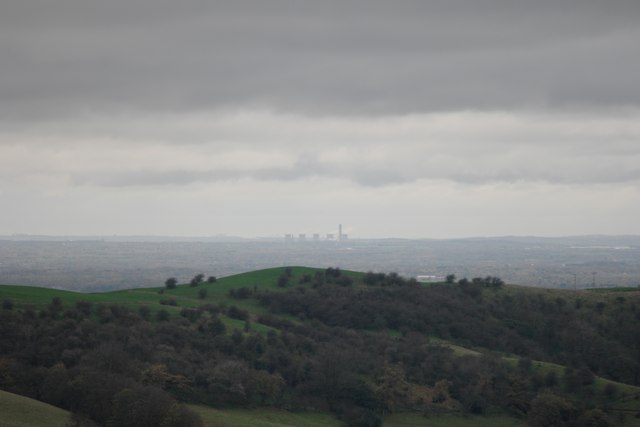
x: 237, y: 313
x: 241, y: 293
x: 197, y: 280
x: 171, y: 282
x: 162, y: 315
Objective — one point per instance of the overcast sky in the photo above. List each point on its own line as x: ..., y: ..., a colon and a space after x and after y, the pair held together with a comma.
x: 396, y: 118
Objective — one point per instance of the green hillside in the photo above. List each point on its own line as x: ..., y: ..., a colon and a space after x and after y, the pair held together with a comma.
x: 19, y: 411
x: 307, y: 346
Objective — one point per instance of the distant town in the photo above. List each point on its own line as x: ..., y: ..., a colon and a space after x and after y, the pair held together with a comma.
x: 115, y: 262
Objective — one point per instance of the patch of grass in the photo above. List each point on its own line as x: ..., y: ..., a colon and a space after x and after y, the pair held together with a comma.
x: 20, y: 411
x: 617, y: 289
x: 457, y: 349
x: 185, y: 295
x: 451, y: 420
x: 38, y: 296
x: 263, y: 417
x: 232, y: 324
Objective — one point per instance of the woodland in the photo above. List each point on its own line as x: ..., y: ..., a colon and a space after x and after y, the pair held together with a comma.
x: 358, y: 345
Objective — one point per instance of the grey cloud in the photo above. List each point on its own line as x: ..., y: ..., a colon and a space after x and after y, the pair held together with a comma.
x: 462, y: 147
x: 186, y: 177
x: 151, y: 178
x: 329, y: 57
x: 465, y: 171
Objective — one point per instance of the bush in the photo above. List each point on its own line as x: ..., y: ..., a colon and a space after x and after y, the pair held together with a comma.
x: 344, y: 281
x: 237, y: 313
x: 171, y: 283
x: 144, y: 312
x: 241, y: 293
x: 197, y: 280
x: 150, y: 406
x: 162, y: 315
x: 283, y: 281
x: 610, y: 390
x: 548, y: 409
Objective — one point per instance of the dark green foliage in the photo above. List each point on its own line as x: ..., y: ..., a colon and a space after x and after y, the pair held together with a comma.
x: 318, y: 279
x: 275, y: 321
x: 593, y: 418
x: 332, y: 272
x: 212, y: 279
x: 213, y: 327
x: 146, y: 406
x: 529, y: 324
x: 84, y: 308
x: 7, y: 304
x: 79, y: 420
x: 197, y: 280
x: 190, y: 313
x: 241, y: 293
x: 370, y: 278
x: 171, y: 283
x: 306, y: 278
x: 551, y: 410
x: 611, y: 391
x: 144, y: 312
x: 202, y: 293
x: 55, y: 307
x: 330, y: 347
x: 237, y: 313
x: 283, y: 281
x: 344, y: 281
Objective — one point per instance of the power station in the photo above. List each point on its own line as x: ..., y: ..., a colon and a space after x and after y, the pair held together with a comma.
x: 317, y: 237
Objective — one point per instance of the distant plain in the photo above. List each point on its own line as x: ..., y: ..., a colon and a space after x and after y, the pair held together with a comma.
x: 100, y: 264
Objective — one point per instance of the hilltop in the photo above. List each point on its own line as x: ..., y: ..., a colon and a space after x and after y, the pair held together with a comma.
x: 107, y: 265
x: 368, y: 348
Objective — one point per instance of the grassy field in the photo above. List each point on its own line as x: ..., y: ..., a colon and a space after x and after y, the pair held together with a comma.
x: 263, y: 417
x: 19, y: 411
x: 270, y: 417
x: 184, y: 295
x: 418, y: 420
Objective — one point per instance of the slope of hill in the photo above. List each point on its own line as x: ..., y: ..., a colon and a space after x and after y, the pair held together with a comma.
x: 20, y: 411
x: 369, y: 348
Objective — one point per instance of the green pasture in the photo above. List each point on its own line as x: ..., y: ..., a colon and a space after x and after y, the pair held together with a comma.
x: 263, y: 417
x: 271, y: 417
x: 450, y: 420
x: 184, y: 295
x: 20, y: 411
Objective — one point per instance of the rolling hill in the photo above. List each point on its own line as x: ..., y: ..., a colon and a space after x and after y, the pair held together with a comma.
x: 308, y: 346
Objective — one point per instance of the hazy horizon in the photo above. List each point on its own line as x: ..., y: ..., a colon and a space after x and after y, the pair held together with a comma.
x: 103, y: 264
x: 295, y: 237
